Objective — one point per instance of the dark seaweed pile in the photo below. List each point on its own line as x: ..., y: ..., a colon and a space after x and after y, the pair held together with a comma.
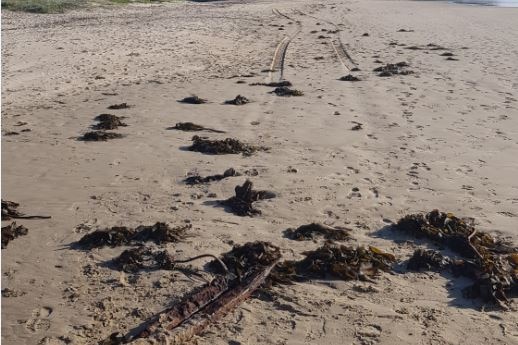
x: 121, y: 235
x: 221, y: 147
x: 285, y: 91
x: 119, y: 106
x: 349, y: 77
x: 135, y: 259
x: 428, y: 260
x: 281, y: 83
x: 333, y: 261
x: 12, y: 231
x: 314, y: 230
x: 239, y: 100
x: 490, y: 262
x: 192, y: 127
x: 108, y: 121
x: 242, y: 203
x: 197, y: 179
x: 242, y: 258
x: 393, y: 69
x: 100, y: 136
x: 193, y: 100
x: 10, y: 210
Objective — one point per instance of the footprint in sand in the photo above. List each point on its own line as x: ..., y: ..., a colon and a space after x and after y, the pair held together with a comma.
x: 39, y: 320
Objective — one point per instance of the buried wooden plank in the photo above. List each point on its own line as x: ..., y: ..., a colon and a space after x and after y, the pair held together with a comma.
x: 189, y: 305
x: 181, y: 328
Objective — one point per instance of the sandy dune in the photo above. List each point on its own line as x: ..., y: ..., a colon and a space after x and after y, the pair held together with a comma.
x: 443, y: 137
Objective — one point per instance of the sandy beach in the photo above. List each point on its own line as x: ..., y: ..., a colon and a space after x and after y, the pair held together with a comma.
x: 353, y: 154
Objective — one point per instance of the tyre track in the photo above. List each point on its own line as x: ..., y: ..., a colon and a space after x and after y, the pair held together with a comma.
x: 279, y: 56
x: 341, y: 52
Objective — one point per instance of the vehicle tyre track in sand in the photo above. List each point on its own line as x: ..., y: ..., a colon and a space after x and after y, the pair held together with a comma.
x: 279, y: 56
x: 338, y: 46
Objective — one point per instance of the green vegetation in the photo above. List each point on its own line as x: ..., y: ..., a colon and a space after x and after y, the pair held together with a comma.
x: 60, y: 6
x: 41, y: 6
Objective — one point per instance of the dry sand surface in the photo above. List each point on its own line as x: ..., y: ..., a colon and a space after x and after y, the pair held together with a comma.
x: 443, y: 137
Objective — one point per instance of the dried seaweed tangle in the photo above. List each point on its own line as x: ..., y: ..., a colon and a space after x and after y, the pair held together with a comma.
x: 490, y: 262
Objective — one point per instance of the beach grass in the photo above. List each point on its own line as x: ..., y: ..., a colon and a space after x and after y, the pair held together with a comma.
x: 60, y: 6
x: 42, y: 6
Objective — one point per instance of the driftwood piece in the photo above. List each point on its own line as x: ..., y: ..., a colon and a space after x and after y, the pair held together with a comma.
x: 204, y: 306
x: 220, y: 307
x: 190, y: 304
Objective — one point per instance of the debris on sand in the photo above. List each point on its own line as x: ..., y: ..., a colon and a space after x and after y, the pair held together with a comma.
x: 449, y: 58
x: 447, y: 54
x: 222, y: 147
x: 100, y: 136
x: 192, y: 127
x: 490, y: 262
x: 160, y: 233
x: 285, y: 91
x: 197, y: 179
x: 357, y: 126
x: 281, y: 83
x: 112, y: 237
x: 7, y: 293
x: 241, y: 203
x: 134, y: 259
x: 427, y: 260
x: 349, y: 77
x: 246, y: 269
x: 12, y: 231
x: 205, y: 305
x: 314, y: 230
x: 109, y: 121
x: 429, y: 46
x: 9, y: 211
x: 393, y: 69
x: 239, y: 100
x: 333, y: 261
x: 242, y: 258
x: 10, y: 133
x: 193, y: 100
x: 121, y: 235
x: 119, y: 106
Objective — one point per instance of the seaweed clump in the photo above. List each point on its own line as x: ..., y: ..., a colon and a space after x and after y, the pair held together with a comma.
x: 490, y: 262
x: 12, y: 231
x: 119, y: 106
x: 242, y: 203
x: 393, y: 69
x: 281, y: 83
x: 239, y: 100
x: 10, y: 210
x: 135, y: 259
x: 243, y: 258
x: 221, y: 147
x: 193, y: 100
x: 109, y: 121
x: 314, y: 230
x: 285, y: 91
x: 197, y: 179
x: 100, y: 136
x: 192, y: 127
x: 349, y: 77
x: 122, y: 235
x: 427, y: 260
x: 333, y: 261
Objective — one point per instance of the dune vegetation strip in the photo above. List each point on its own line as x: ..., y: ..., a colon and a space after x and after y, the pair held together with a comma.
x: 60, y: 6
